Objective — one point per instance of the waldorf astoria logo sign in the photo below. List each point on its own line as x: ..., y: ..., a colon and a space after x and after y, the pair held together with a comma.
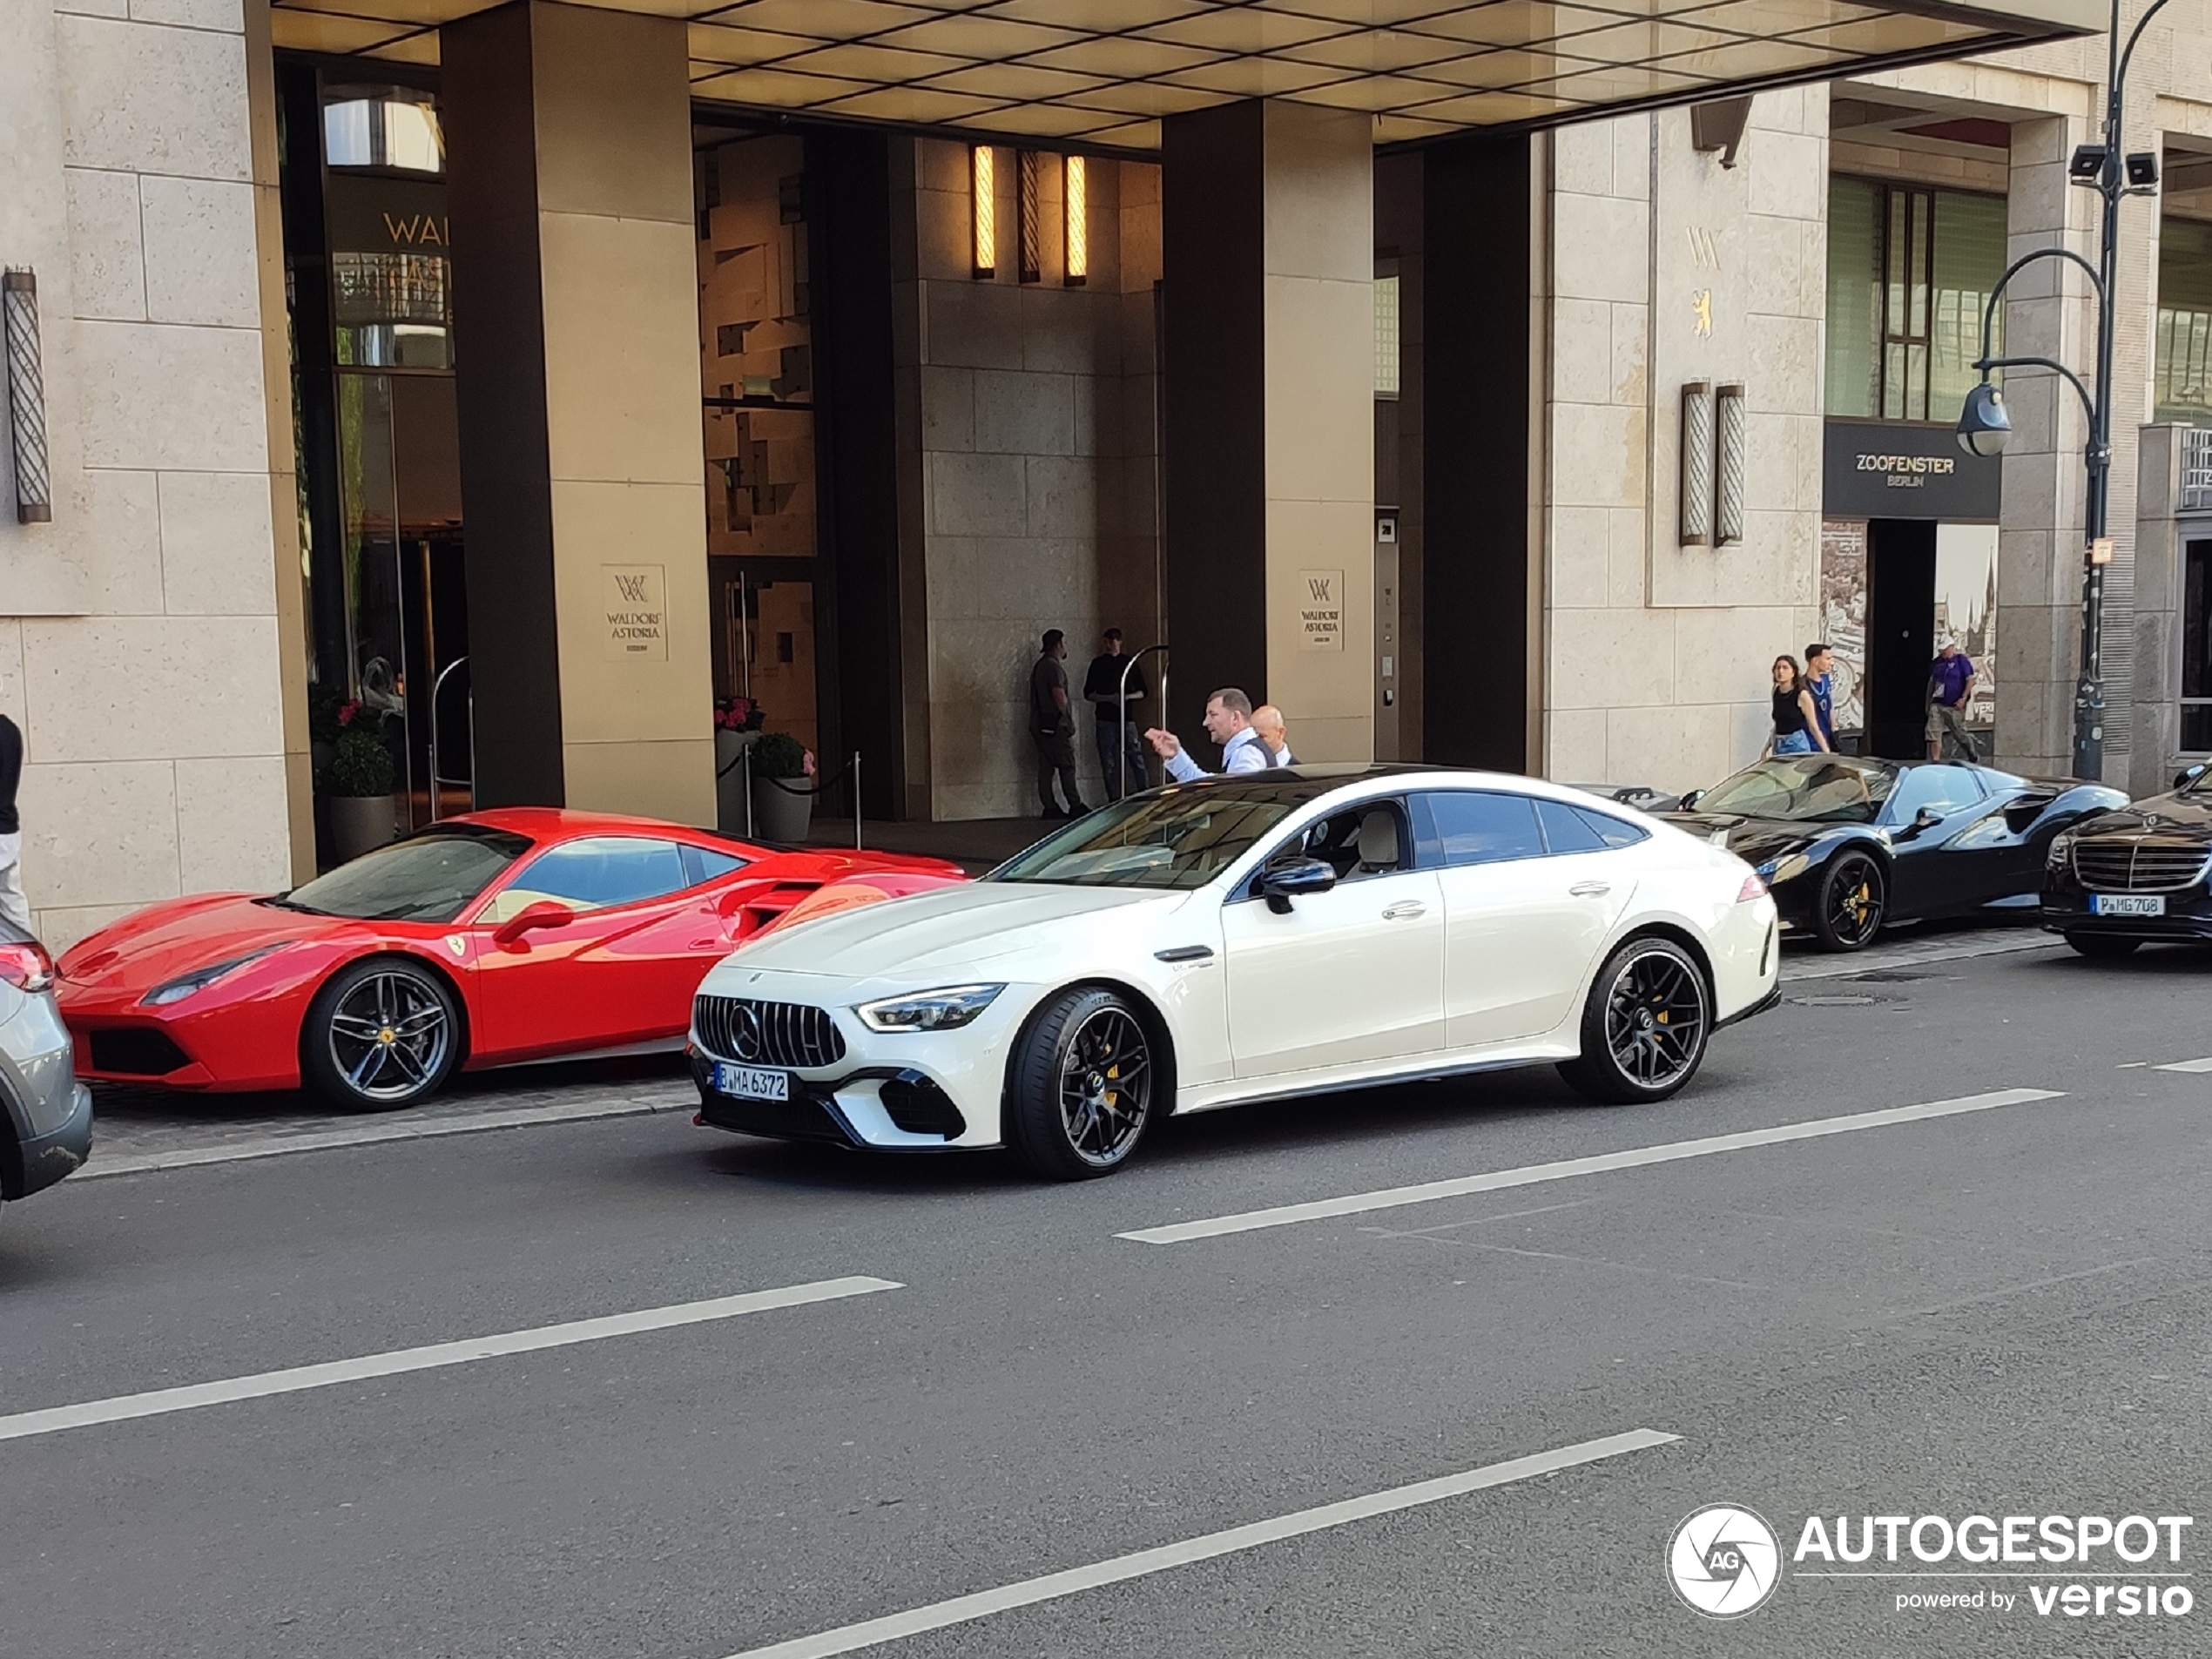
x: 1883, y: 471
x: 634, y: 598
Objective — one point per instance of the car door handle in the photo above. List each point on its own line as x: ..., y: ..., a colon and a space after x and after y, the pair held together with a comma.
x: 1405, y: 910
x: 1591, y: 889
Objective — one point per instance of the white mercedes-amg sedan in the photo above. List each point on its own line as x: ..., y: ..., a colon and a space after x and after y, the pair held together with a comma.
x: 1239, y: 938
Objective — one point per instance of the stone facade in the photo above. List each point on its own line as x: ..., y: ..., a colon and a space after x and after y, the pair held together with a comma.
x: 1034, y: 436
x: 143, y: 632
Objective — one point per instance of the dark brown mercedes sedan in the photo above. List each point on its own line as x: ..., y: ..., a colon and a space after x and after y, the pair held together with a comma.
x: 2135, y: 873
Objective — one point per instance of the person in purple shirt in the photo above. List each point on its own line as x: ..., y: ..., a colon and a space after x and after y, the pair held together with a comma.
x: 1951, y: 682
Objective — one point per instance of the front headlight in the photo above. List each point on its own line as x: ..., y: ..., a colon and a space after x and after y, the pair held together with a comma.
x: 1783, y: 868
x: 177, y: 990
x: 944, y: 1010
x: 2061, y: 850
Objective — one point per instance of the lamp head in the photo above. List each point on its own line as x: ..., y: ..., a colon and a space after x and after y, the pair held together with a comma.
x: 2142, y: 171
x: 1983, y: 424
x: 2087, y: 165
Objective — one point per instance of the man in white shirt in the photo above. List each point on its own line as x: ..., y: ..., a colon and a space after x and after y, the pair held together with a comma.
x: 1267, y: 721
x: 1229, y: 723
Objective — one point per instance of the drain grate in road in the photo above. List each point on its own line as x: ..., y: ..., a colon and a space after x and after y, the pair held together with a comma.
x: 1835, y: 1001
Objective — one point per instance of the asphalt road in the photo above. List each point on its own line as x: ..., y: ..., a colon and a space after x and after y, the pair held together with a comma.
x: 1999, y: 1309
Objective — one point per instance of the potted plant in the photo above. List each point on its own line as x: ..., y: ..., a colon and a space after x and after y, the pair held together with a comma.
x: 737, y: 724
x: 783, y: 784
x: 360, y: 776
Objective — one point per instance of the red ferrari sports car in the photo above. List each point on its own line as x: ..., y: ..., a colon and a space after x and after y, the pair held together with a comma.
x: 496, y: 937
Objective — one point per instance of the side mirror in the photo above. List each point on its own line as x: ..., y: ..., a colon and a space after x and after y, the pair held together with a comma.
x: 2188, y: 775
x: 1924, y: 820
x: 1292, y: 878
x: 531, y: 917
x: 1689, y: 802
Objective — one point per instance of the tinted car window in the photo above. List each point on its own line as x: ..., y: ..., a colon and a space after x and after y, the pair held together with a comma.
x: 1566, y: 830
x: 1941, y: 789
x: 1179, y: 838
x: 701, y: 864
x: 1613, y: 832
x: 1371, y: 839
x: 431, y: 877
x: 593, y: 874
x: 1484, y: 826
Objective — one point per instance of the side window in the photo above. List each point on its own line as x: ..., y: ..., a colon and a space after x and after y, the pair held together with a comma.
x: 1371, y: 839
x: 594, y: 874
x: 703, y: 864
x: 1941, y: 789
x: 1565, y: 829
x: 1614, y: 832
x: 1485, y: 826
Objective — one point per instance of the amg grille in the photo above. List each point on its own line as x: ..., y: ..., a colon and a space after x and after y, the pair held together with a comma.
x: 767, y: 1033
x: 2135, y: 867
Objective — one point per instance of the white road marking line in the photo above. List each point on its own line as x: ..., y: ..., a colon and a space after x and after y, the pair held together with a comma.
x: 962, y: 1609
x: 123, y: 1407
x: 1358, y: 1202
x: 2185, y: 1065
x: 371, y: 1133
x: 1880, y: 958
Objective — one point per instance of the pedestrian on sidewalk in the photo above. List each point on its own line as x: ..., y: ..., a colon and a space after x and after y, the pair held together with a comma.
x: 13, y: 905
x: 1951, y: 682
x: 1267, y: 721
x: 1052, y: 725
x: 1229, y: 723
x: 1797, y: 720
x: 1120, y: 756
x: 1820, y: 681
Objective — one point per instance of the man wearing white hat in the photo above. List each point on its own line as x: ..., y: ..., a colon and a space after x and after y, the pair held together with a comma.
x: 1951, y: 682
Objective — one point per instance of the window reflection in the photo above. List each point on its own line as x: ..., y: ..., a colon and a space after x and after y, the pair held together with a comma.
x: 385, y: 126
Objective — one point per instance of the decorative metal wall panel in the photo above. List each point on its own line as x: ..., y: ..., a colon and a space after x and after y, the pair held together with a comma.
x: 26, y: 397
x: 1695, y: 496
x: 1729, y: 466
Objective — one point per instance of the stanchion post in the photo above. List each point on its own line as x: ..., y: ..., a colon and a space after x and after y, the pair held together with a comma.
x: 746, y: 754
x: 856, y: 800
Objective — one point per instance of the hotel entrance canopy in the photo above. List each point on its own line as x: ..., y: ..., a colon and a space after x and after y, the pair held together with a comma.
x: 1099, y: 74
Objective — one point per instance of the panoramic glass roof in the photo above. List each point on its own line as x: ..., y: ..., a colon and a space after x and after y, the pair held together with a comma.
x: 1102, y: 73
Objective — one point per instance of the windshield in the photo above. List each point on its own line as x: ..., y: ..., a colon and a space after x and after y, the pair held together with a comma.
x: 1180, y: 837
x: 428, y: 878
x: 1826, y: 789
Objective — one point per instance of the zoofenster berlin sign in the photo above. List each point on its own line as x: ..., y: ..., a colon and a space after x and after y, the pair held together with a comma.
x: 1876, y: 469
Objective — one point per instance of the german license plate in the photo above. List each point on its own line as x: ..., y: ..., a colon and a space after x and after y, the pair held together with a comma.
x: 751, y: 1083
x: 2129, y: 904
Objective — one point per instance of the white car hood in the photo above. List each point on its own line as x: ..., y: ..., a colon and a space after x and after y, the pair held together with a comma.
x: 946, y: 929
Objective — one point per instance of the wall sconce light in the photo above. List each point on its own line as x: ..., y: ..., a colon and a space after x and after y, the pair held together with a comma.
x: 1028, y: 172
x: 1076, y: 202
x: 1694, y: 508
x: 1729, y: 466
x: 984, y: 207
x: 26, y: 397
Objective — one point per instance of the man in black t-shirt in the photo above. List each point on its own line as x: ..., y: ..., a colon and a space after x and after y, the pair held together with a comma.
x: 1121, y: 751
x: 1052, y: 725
x: 13, y: 905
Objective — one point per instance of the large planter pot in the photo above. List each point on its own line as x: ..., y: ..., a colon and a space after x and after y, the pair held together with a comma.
x: 361, y: 823
x: 729, y: 780
x: 782, y: 814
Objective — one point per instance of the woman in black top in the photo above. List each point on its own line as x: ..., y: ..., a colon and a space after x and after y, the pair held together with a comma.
x: 1796, y: 723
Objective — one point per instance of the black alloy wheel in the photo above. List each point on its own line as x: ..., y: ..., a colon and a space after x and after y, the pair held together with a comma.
x: 382, y: 1034
x: 1645, y: 1026
x: 1084, y: 1080
x: 2103, y: 946
x: 1853, y: 899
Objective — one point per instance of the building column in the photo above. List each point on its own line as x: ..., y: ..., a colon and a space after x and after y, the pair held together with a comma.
x: 1268, y: 265
x: 575, y: 301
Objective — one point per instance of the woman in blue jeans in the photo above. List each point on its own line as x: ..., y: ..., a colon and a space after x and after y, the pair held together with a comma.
x: 1797, y: 722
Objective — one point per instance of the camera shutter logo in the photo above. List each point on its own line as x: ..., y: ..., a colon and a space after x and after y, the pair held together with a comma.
x: 1724, y: 1561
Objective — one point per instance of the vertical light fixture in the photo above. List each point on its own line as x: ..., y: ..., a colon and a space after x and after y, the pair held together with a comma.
x: 1029, y: 167
x: 1695, y: 496
x: 984, y: 207
x: 26, y: 397
x: 1074, y: 197
x: 1729, y: 464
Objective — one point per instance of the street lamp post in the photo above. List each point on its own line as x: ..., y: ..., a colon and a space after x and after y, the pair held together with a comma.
x: 1984, y: 427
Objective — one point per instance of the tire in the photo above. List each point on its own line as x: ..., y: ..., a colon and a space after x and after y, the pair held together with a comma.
x: 382, y: 1036
x: 1852, y: 899
x: 2100, y: 947
x: 1645, y: 1027
x: 1085, y: 1080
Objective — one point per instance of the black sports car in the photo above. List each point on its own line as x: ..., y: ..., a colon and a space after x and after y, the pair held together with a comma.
x: 2137, y: 873
x: 1848, y: 844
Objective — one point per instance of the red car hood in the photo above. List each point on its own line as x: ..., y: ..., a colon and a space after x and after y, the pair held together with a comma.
x: 153, y: 945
